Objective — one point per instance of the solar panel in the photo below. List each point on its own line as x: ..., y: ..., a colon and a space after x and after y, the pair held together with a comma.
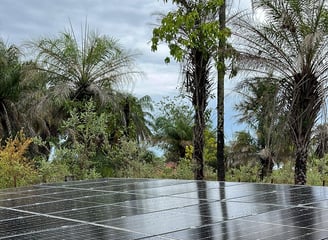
x: 163, y: 209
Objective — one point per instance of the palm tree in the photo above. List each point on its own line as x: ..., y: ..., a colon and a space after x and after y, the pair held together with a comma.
x: 173, y: 129
x: 80, y: 70
x: 242, y: 150
x: 18, y: 91
x: 260, y: 110
x: 136, y: 116
x: 291, y: 42
x: 11, y: 88
x: 221, y: 69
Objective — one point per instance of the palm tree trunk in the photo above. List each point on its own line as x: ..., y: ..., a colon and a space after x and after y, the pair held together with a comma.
x: 6, y: 120
x: 198, y: 142
x: 220, y: 100
x: 127, y: 117
x: 266, y: 159
x: 300, y: 165
x: 200, y: 96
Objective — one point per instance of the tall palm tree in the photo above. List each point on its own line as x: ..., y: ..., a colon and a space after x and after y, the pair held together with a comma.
x: 292, y: 42
x: 18, y: 90
x: 11, y: 87
x: 220, y: 97
x: 80, y: 70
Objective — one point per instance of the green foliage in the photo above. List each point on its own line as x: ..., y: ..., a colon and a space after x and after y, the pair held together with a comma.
x: 85, y: 136
x: 184, y: 170
x: 136, y: 118
x: 317, y: 171
x: 245, y: 173
x: 120, y: 156
x: 54, y: 171
x: 198, y: 21
x: 159, y: 169
x: 210, y: 148
x: 173, y: 127
x: 75, y: 161
x: 242, y: 150
x: 82, y: 69
x: 12, y: 91
x: 10, y: 72
x: 283, y: 175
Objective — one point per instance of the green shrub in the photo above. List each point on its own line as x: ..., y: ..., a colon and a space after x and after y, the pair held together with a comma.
x: 283, y: 175
x: 246, y: 173
x: 54, y: 171
x: 317, y: 171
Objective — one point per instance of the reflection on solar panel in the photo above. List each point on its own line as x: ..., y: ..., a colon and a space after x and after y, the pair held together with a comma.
x: 163, y: 209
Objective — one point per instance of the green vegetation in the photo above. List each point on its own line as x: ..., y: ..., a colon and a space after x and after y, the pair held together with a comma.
x: 62, y: 114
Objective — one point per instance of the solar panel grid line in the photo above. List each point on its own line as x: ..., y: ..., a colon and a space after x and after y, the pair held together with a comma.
x: 268, y: 198
x: 222, y: 230
x: 320, y: 235
x: 160, y: 203
x: 34, y: 191
x: 282, y: 220
x: 320, y: 226
x: 74, y: 221
x: 53, y: 207
x: 167, y: 190
x: 34, y: 232
x: 307, y: 217
x: 323, y: 204
x: 97, y: 216
x: 12, y: 203
x: 160, y: 222
x: 78, y: 232
x: 296, y: 216
x: 76, y: 195
x: 31, y: 224
x: 310, y: 222
x: 294, y: 227
x: 277, y: 231
x: 277, y: 205
x: 114, y: 182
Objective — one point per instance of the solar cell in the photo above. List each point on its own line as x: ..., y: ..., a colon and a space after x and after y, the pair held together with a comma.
x: 163, y: 209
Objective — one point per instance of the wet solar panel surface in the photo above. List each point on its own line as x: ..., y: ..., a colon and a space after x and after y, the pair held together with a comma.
x: 163, y: 209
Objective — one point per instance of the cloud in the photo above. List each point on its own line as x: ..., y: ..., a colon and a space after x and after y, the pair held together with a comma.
x: 129, y: 21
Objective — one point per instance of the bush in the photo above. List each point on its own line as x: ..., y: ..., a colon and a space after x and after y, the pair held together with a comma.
x: 16, y: 169
x: 54, y: 171
x: 317, y: 171
x: 284, y: 175
x: 244, y: 173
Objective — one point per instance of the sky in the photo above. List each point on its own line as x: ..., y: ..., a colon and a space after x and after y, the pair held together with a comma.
x: 129, y: 21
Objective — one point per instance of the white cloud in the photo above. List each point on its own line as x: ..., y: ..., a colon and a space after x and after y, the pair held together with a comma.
x: 129, y: 21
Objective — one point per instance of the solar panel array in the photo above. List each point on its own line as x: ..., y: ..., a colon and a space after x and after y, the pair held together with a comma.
x: 163, y: 209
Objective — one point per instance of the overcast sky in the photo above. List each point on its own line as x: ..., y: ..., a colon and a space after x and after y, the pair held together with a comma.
x: 128, y: 21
